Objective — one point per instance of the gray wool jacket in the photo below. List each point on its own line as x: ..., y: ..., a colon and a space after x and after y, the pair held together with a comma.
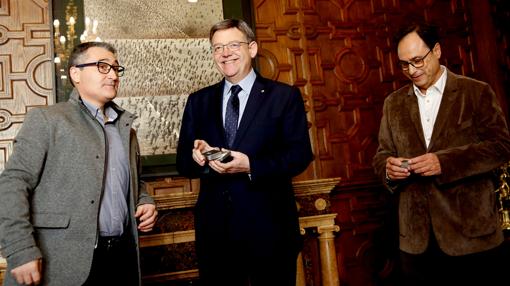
x: 51, y: 188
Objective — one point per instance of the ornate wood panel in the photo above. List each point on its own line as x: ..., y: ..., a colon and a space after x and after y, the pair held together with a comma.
x: 340, y: 54
x: 26, y: 70
x: 499, y: 12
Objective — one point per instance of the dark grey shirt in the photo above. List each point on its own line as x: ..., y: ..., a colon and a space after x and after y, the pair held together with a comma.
x: 113, y: 214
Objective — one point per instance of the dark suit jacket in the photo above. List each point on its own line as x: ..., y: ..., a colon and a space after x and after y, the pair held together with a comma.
x: 273, y: 133
x: 470, y: 138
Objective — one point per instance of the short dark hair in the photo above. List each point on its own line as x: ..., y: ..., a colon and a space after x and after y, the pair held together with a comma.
x: 428, y: 33
x: 233, y: 23
x: 79, y: 50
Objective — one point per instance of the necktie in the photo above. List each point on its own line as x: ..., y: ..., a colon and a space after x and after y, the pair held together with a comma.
x: 232, y: 115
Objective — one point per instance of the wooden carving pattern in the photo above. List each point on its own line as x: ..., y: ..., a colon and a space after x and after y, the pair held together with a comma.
x: 501, y: 17
x: 26, y: 75
x: 340, y: 54
x: 368, y: 240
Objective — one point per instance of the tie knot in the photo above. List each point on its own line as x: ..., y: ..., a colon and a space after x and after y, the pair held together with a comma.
x: 235, y: 89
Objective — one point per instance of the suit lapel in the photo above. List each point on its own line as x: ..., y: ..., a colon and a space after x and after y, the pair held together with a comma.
x: 414, y: 113
x: 446, y: 107
x: 217, y: 110
x: 257, y: 96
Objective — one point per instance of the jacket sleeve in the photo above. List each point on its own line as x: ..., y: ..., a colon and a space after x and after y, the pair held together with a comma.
x: 491, y: 148
x: 386, y: 149
x: 293, y: 155
x: 17, y: 182
x: 186, y: 166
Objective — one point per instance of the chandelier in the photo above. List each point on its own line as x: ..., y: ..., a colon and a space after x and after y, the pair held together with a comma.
x: 65, y: 37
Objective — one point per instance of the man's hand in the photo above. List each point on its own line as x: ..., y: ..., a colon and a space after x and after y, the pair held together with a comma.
x: 199, y: 147
x: 147, y: 214
x: 240, y: 164
x: 426, y: 165
x: 29, y: 273
x: 397, y: 168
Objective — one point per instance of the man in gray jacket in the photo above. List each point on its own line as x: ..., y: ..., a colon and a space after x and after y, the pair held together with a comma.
x: 71, y: 201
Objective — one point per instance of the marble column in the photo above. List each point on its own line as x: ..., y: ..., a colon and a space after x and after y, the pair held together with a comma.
x: 329, y: 266
x: 326, y: 228
x: 300, y: 275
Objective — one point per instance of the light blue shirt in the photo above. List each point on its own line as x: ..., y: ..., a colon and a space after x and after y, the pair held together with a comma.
x: 113, y: 213
x: 246, y: 84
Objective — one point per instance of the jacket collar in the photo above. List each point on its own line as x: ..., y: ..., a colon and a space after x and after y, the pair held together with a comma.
x: 448, y: 100
x: 75, y: 98
x: 256, y: 98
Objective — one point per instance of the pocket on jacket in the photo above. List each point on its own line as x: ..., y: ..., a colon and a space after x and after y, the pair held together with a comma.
x: 478, y: 209
x: 50, y: 220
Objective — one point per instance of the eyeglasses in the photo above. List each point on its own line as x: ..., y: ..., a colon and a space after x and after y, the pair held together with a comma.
x: 416, y: 62
x: 233, y: 46
x: 104, y: 68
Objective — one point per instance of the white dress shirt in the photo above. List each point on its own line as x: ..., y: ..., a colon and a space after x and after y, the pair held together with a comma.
x: 246, y: 84
x: 429, y: 104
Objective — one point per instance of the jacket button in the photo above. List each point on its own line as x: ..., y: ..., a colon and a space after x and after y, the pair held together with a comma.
x: 97, y: 156
x: 92, y: 201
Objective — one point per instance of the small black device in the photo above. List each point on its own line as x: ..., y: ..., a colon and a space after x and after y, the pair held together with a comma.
x: 218, y: 155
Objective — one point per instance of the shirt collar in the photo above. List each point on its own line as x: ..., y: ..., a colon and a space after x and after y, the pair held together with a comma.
x: 246, y: 83
x: 96, y: 112
x: 438, y: 85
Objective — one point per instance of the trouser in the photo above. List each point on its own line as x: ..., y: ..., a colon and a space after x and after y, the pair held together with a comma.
x: 114, y: 262
x: 434, y: 267
x: 236, y: 264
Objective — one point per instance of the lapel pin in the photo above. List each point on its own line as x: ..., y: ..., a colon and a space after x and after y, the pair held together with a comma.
x: 262, y: 91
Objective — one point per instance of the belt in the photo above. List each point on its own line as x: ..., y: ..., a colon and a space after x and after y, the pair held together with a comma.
x: 111, y: 242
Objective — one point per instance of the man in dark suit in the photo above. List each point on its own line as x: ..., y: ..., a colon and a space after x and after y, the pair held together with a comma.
x: 246, y: 222
x: 440, y: 138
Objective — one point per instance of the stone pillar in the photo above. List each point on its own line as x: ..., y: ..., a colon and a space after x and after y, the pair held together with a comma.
x: 300, y: 275
x: 329, y: 266
x: 325, y: 226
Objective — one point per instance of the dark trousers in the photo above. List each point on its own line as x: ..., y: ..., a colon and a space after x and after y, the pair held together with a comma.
x: 434, y: 267
x: 114, y: 262
x: 237, y: 264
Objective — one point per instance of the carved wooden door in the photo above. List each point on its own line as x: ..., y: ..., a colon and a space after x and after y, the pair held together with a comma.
x: 26, y: 67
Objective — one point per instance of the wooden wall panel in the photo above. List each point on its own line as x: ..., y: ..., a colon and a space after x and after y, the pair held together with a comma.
x: 26, y: 70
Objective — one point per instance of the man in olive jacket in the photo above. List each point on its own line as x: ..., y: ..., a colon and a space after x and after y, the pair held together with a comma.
x: 71, y: 205
x: 439, y: 140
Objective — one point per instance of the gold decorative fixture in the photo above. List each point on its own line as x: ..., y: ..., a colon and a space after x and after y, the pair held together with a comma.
x: 90, y: 32
x: 64, y: 42
x: 65, y: 37
x: 503, y: 196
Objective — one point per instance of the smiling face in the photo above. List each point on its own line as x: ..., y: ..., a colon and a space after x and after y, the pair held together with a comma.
x: 93, y: 86
x: 412, y: 47
x: 234, y: 65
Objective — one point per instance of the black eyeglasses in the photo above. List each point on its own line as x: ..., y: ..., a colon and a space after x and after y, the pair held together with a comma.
x: 233, y: 46
x: 104, y: 68
x: 416, y: 62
